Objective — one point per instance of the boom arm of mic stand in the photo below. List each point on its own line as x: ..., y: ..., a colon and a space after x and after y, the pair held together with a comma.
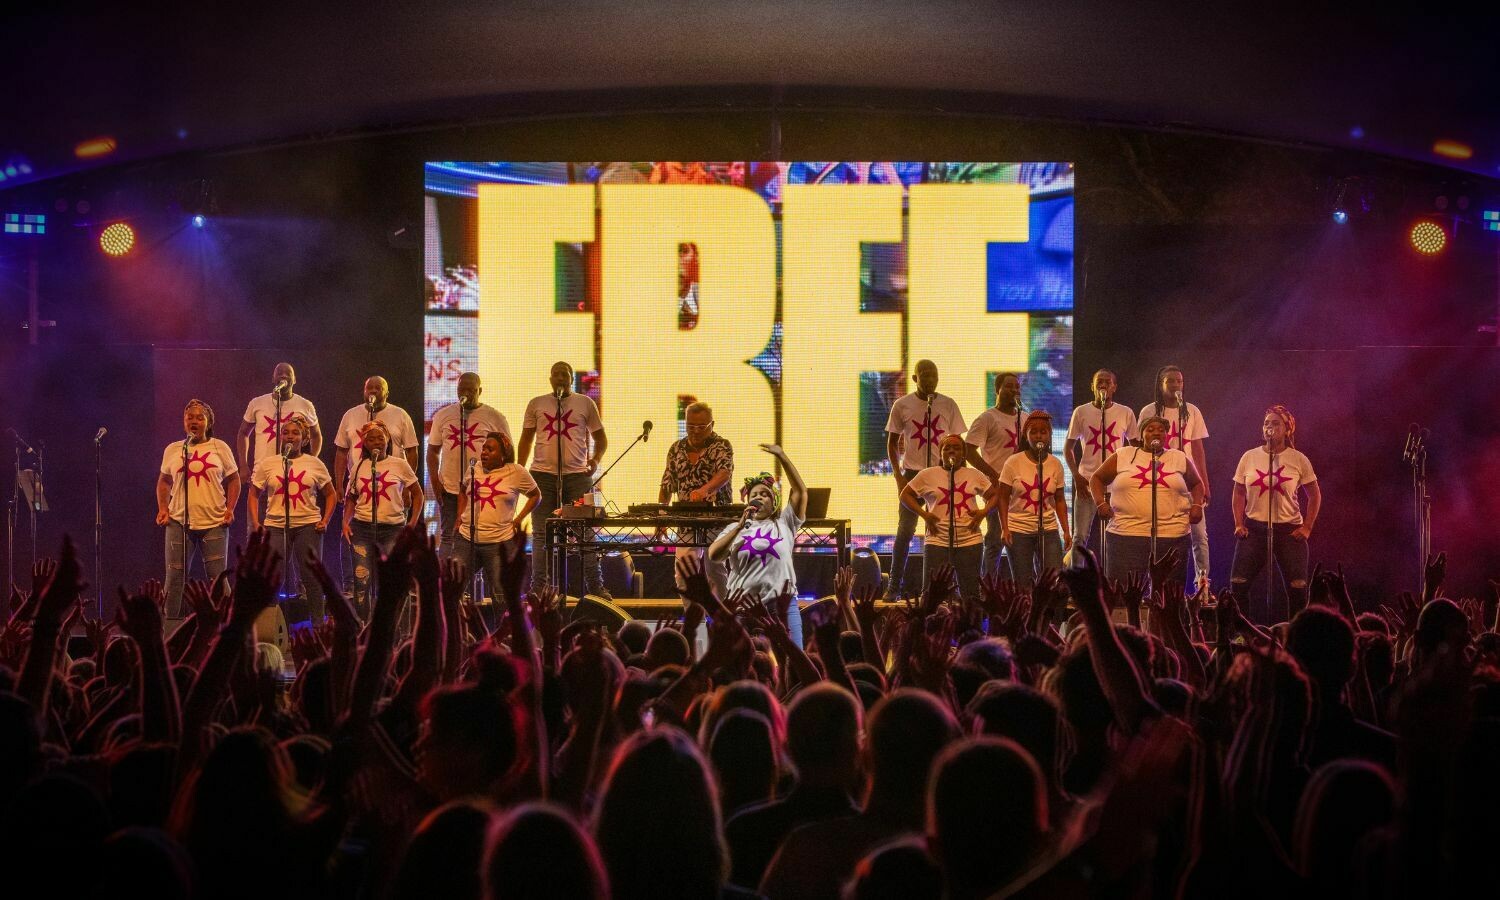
x: 612, y: 465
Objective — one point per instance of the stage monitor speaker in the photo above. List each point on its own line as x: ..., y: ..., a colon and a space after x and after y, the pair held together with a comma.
x: 591, y: 608
x: 866, y: 569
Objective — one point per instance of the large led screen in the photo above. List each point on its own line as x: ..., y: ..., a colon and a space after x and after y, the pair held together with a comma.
x: 794, y: 297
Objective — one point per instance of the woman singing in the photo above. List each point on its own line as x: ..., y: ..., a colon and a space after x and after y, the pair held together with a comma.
x: 487, y: 507
x: 1027, y: 496
x: 759, y: 546
x: 384, y: 495
x: 196, y: 493
x: 1265, y: 494
x: 1122, y: 489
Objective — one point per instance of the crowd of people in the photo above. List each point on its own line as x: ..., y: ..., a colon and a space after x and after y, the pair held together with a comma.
x: 1085, y: 737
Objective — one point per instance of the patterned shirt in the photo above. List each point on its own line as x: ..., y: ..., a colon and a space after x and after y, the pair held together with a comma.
x: 683, y: 475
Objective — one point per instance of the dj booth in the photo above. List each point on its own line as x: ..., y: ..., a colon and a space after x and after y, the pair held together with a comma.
x: 650, y: 528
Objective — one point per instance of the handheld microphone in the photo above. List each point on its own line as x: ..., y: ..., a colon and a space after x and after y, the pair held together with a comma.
x: 100, y: 436
x: 646, y: 427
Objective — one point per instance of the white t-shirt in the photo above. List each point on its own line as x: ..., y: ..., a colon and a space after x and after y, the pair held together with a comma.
x: 496, y: 495
x: 300, y: 488
x: 447, y: 435
x: 208, y: 464
x: 1130, y: 494
x: 262, y: 414
x: 1100, y: 433
x: 575, y: 425
x: 1178, y: 439
x: 760, y: 562
x: 994, y: 433
x: 392, y: 476
x: 1263, y: 482
x: 965, y: 499
x: 908, y: 418
x: 1026, y: 496
x: 395, y: 420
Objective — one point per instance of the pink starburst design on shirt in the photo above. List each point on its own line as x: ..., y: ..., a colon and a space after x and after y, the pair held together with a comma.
x: 1103, y: 441
x: 1028, y: 488
x: 469, y: 437
x: 561, y: 425
x: 487, y: 492
x: 382, y: 484
x: 199, y: 465
x: 1173, y: 434
x: 1143, y: 474
x: 295, y: 489
x: 961, y: 493
x: 273, y: 426
x: 1271, y: 481
x: 767, y: 539
x: 927, y: 431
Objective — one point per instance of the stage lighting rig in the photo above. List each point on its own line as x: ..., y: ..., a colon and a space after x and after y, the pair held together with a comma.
x: 25, y: 224
x: 117, y: 239
x: 1428, y: 237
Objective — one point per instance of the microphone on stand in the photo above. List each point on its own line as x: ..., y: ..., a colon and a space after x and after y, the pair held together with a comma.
x: 646, y: 427
x: 1040, y: 447
x: 1177, y: 395
x: 557, y: 393
x: 1413, y: 436
x: 100, y: 435
x: 1155, y: 448
x: 281, y: 385
x: 17, y: 438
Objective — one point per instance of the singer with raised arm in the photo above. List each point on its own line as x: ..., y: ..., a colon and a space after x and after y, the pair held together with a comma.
x: 953, y: 498
x: 699, y: 467
x: 261, y: 426
x: 1095, y: 432
x: 384, y: 496
x: 401, y: 435
x: 1186, y: 431
x: 1033, y: 508
x: 1269, y: 520
x: 758, y: 548
x: 993, y: 438
x: 453, y: 443
x: 490, y: 492
x: 196, y: 492
x: 912, y: 431
x: 299, y: 503
x: 1122, y: 488
x: 565, y: 429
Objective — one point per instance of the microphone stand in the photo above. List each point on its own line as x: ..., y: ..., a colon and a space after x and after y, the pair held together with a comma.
x: 1041, y: 500
x: 610, y: 468
x: 187, y: 516
x: 926, y: 464
x: 952, y: 474
x: 1415, y: 456
x: 473, y: 524
x: 1155, y: 478
x: 286, y: 509
x: 99, y: 527
x: 559, y: 568
x: 1271, y: 540
x: 1104, y: 449
x: 10, y: 528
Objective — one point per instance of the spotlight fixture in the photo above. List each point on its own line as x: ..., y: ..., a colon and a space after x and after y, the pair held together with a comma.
x: 25, y: 223
x: 1428, y: 238
x: 117, y: 239
x: 94, y: 148
x: 199, y: 220
x: 1340, y: 216
x: 1451, y: 149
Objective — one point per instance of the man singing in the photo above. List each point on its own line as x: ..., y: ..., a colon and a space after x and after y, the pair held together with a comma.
x: 916, y: 424
x: 699, y: 468
x: 403, y: 436
x: 453, y: 444
x: 570, y: 440
x: 260, y: 419
x: 1095, y: 432
x: 992, y: 439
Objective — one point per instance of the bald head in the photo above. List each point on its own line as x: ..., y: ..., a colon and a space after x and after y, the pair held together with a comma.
x: 376, y: 387
x: 561, y: 377
x: 469, y: 390
x: 926, y: 376
x: 284, y: 372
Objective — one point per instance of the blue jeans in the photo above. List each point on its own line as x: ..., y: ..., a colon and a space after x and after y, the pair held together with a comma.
x: 994, y: 548
x: 1127, y: 553
x: 1085, y: 532
x: 794, y: 621
x: 1199, y: 535
x: 482, y: 558
x: 300, y: 541
x: 1025, y: 548
x: 965, y: 562
x: 1250, y: 558
x: 208, y: 543
x: 370, y: 543
x: 447, y: 523
x: 906, y: 526
x: 574, y: 485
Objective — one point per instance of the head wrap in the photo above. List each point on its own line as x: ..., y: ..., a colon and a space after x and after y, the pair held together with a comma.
x: 1290, y: 420
x: 1149, y: 419
x: 765, y: 478
x: 1041, y: 414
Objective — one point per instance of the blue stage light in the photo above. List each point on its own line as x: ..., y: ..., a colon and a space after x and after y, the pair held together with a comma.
x: 1340, y: 217
x: 199, y: 221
